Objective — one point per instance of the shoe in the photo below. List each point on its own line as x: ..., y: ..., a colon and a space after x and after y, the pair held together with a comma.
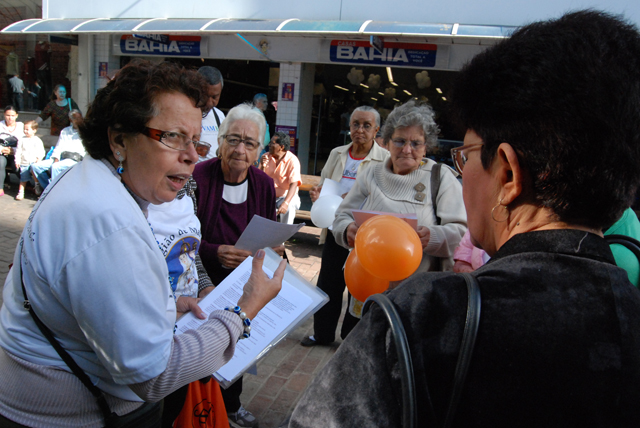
x: 242, y: 418
x: 38, y: 189
x: 311, y: 341
x: 20, y: 196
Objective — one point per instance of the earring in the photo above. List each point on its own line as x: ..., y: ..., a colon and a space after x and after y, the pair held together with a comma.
x: 494, y: 209
x: 120, y: 168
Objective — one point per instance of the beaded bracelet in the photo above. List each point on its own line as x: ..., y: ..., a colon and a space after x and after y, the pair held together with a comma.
x: 246, y: 322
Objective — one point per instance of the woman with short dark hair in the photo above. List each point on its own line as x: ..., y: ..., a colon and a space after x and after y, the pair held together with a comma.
x: 95, y: 274
x: 550, y: 158
x: 58, y: 110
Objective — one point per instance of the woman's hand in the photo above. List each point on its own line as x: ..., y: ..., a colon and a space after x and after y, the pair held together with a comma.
x: 314, y: 193
x: 5, y: 150
x: 425, y: 235
x: 231, y: 257
x: 259, y: 290
x: 284, y: 207
x: 186, y: 304
x: 352, y: 229
x: 461, y: 266
x: 279, y: 249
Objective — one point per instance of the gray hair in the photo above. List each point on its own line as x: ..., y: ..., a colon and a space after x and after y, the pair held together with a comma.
x: 412, y: 114
x: 212, y: 75
x: 367, y: 109
x: 257, y: 97
x: 243, y: 111
x: 283, y: 140
x: 74, y: 112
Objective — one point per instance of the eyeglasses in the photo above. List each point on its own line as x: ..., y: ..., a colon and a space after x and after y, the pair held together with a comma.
x: 177, y: 141
x: 366, y: 126
x: 400, y: 143
x: 460, y: 158
x: 234, y: 140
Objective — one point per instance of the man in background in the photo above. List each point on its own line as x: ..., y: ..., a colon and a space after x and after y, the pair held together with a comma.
x: 211, y: 115
x: 17, y: 87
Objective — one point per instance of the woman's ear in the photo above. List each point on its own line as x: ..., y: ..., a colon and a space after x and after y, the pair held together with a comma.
x: 116, y: 142
x: 509, y: 173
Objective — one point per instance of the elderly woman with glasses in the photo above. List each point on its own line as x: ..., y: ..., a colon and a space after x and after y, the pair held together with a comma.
x: 402, y: 185
x: 95, y: 275
x: 230, y: 192
x: 547, y: 166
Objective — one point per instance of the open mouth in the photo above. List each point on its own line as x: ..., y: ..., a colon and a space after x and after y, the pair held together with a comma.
x: 178, y: 180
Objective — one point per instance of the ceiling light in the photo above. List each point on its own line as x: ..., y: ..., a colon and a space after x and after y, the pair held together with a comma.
x: 375, y: 99
x: 394, y: 83
x: 389, y: 74
x: 407, y: 92
x: 381, y: 93
x: 444, y: 99
x: 439, y: 90
x: 396, y: 100
x: 364, y: 86
x: 340, y: 87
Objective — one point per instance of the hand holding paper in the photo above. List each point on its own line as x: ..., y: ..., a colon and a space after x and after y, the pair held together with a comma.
x: 260, y: 289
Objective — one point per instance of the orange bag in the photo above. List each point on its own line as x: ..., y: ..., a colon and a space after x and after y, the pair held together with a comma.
x: 203, y: 408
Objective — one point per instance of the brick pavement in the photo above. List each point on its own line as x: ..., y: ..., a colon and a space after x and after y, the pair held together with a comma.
x: 283, y: 374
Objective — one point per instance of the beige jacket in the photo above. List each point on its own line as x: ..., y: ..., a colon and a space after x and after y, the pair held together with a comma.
x: 334, y: 167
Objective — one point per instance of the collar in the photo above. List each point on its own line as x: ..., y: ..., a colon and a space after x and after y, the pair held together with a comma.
x: 144, y: 205
x: 571, y: 242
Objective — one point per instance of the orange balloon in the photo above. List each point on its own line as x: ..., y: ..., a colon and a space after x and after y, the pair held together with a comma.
x: 388, y: 247
x: 360, y: 282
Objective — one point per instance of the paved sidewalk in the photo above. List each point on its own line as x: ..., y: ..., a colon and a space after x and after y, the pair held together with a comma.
x: 283, y: 374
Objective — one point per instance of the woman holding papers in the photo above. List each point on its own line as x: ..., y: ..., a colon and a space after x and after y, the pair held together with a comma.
x: 230, y: 192
x: 546, y: 166
x: 95, y: 275
x: 402, y: 185
x: 343, y: 166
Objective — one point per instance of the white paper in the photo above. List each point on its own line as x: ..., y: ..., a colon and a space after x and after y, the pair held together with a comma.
x: 332, y: 187
x: 360, y: 216
x: 270, y: 322
x: 261, y: 233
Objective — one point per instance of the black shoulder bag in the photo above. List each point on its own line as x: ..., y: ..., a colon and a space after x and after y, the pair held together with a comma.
x: 409, y: 416
x: 148, y: 415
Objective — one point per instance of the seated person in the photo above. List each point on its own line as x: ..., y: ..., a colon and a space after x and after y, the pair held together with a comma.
x: 69, y: 143
x: 30, y: 150
x: 284, y: 167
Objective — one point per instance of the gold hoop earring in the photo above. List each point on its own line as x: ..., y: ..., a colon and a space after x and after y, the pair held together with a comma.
x: 493, y: 211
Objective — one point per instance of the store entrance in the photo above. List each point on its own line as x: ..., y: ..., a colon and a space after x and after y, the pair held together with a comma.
x: 339, y: 89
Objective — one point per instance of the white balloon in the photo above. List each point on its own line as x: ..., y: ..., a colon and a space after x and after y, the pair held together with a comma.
x: 323, y: 211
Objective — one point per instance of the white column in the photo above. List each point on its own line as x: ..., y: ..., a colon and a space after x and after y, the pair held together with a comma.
x: 295, y: 104
x: 85, y: 88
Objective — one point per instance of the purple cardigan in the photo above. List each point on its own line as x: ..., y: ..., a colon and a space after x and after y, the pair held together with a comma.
x: 261, y: 200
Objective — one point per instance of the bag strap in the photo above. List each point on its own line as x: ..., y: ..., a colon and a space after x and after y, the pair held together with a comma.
x: 468, y: 341
x: 213, y: 109
x: 628, y: 242
x: 69, y: 361
x: 435, y: 188
x: 407, y: 379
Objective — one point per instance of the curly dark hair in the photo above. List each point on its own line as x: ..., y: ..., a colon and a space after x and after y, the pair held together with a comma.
x: 283, y: 140
x: 565, y: 94
x: 126, y: 104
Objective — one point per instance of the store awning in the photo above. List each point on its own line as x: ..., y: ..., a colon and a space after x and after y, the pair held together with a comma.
x: 255, y: 26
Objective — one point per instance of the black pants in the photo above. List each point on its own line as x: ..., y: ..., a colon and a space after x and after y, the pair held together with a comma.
x: 231, y: 396
x: 18, y: 103
x: 331, y: 281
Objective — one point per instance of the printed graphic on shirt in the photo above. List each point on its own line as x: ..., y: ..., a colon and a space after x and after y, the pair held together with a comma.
x: 183, y: 274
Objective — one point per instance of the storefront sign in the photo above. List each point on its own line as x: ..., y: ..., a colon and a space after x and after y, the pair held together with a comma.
x: 287, y: 91
x: 160, y: 44
x: 291, y: 131
x: 392, y: 54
